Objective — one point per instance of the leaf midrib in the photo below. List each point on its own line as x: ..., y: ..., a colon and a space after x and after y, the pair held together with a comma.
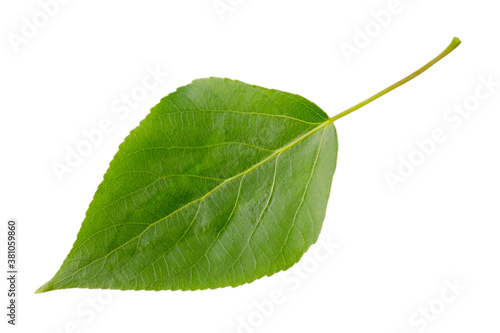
x: 244, y: 113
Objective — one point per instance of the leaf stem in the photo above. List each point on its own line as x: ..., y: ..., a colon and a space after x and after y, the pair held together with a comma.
x: 454, y: 43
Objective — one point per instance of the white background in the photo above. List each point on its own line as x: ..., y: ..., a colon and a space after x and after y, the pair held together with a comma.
x: 397, y: 248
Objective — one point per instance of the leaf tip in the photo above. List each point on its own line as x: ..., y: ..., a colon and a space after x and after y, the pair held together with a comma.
x: 46, y: 287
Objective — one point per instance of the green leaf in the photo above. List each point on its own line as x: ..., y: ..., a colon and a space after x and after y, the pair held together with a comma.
x: 221, y: 184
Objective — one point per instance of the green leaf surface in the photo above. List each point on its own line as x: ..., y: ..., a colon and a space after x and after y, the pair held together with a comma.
x: 221, y: 184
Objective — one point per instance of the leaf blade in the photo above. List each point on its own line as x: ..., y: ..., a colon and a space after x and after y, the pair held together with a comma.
x: 200, y: 197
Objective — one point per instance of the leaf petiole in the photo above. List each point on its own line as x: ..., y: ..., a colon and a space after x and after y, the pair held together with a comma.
x: 454, y: 43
